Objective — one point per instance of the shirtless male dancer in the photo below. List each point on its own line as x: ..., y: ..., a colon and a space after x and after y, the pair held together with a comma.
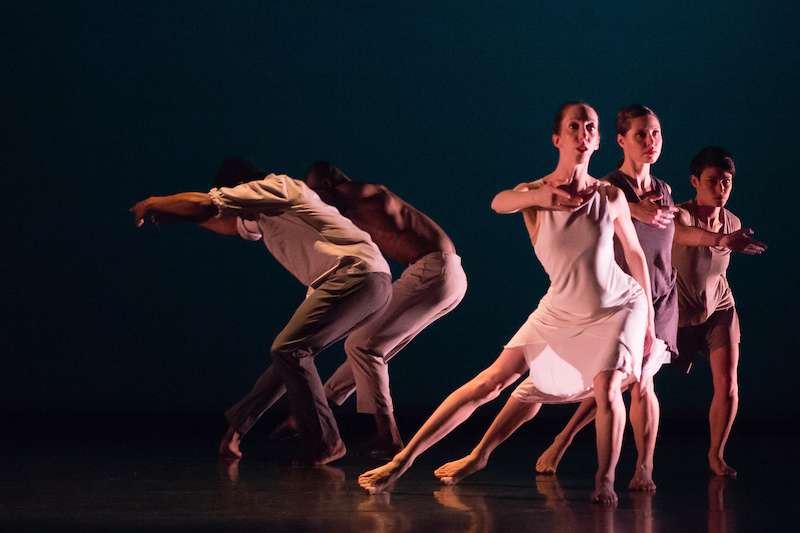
x: 431, y: 286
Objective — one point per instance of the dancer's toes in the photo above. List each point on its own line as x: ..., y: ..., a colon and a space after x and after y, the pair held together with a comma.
x: 229, y: 447
x: 548, y: 461
x: 721, y: 468
x: 380, y: 478
x: 642, y: 480
x: 453, y: 472
x: 604, y: 493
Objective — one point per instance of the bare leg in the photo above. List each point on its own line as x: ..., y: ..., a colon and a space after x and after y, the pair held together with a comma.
x: 548, y: 461
x: 610, y: 425
x: 510, y: 418
x: 644, y: 415
x: 454, y: 410
x: 725, y: 404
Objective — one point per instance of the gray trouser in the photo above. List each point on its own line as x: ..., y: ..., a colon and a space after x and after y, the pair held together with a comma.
x: 427, y: 290
x: 329, y: 313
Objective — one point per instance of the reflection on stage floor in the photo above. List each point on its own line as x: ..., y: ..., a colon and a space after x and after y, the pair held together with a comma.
x: 160, y: 473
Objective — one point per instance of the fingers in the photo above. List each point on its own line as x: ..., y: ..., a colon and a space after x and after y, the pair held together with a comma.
x: 561, y: 200
x: 138, y: 218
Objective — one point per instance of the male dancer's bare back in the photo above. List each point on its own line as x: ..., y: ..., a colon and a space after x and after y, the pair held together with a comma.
x: 403, y: 233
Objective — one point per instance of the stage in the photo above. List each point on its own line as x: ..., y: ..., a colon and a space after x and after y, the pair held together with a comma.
x: 159, y: 472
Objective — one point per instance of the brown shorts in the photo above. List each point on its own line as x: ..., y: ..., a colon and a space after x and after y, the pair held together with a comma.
x: 720, y: 330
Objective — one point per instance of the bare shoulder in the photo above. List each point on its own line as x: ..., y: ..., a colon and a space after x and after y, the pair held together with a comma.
x: 356, y: 189
x: 617, y: 203
x: 613, y: 192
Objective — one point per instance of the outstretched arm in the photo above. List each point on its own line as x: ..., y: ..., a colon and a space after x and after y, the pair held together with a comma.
x: 537, y: 194
x: 688, y: 234
x: 738, y: 241
x: 191, y: 206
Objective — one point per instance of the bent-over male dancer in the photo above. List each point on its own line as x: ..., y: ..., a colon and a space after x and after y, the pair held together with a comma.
x: 431, y: 286
x: 348, y: 279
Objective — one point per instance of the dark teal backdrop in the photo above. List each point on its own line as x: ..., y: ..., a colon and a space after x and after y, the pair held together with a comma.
x: 106, y: 103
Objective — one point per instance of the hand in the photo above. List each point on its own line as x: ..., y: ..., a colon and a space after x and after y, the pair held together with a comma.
x: 139, y: 212
x: 548, y: 197
x: 739, y: 241
x: 651, y: 212
x: 649, y: 337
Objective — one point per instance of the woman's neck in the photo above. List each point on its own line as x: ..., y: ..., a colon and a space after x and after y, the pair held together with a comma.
x: 640, y: 172
x: 576, y: 176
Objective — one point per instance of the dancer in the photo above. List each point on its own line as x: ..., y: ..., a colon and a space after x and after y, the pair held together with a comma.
x: 588, y: 333
x: 349, y: 281
x: 652, y: 210
x: 705, y: 235
x: 431, y: 286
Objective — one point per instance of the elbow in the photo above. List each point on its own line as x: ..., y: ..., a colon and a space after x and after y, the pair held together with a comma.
x: 502, y: 207
x: 496, y: 206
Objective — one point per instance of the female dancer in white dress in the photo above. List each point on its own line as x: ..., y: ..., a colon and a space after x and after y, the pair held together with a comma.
x: 652, y: 209
x: 589, y: 332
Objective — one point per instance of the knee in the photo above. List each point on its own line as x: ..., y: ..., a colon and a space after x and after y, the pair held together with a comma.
x: 285, y: 352
x: 355, y: 346
x: 485, y: 388
x: 643, y: 390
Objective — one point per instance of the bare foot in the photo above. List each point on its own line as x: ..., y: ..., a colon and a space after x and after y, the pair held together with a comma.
x: 378, y: 479
x: 286, y: 430
x: 720, y: 467
x: 604, y: 493
x: 376, y: 449
x: 453, y: 472
x: 548, y: 461
x: 229, y: 447
x: 643, y: 480
x: 337, y: 452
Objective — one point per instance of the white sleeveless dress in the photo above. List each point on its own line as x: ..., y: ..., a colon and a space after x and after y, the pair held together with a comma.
x: 593, y: 317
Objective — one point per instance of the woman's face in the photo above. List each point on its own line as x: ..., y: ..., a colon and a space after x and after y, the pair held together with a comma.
x: 642, y: 143
x: 713, y: 186
x: 580, y: 133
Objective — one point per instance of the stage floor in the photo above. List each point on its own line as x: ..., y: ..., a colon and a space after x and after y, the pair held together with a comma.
x: 89, y: 472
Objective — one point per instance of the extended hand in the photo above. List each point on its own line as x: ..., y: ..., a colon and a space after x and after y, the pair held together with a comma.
x: 139, y: 212
x: 549, y: 197
x: 739, y: 241
x: 651, y: 212
x: 649, y: 337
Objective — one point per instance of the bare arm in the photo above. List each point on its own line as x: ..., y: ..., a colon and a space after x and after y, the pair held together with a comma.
x: 651, y: 212
x: 536, y: 194
x: 225, y: 225
x: 192, y: 206
x: 738, y: 241
x: 634, y: 256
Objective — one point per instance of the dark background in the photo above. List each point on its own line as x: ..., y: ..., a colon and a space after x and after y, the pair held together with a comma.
x: 447, y: 103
